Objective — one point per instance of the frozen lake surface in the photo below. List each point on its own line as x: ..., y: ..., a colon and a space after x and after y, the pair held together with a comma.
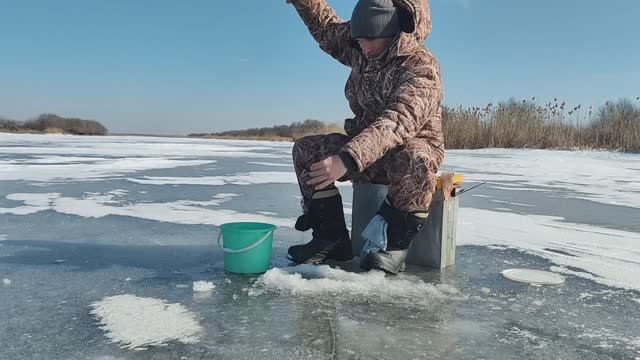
x: 107, y: 251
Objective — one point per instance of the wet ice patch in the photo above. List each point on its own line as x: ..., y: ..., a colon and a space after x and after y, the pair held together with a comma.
x: 203, y: 286
x: 137, y: 322
x: 311, y: 280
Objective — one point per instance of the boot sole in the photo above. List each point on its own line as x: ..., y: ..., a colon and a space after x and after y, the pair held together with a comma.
x: 319, y: 262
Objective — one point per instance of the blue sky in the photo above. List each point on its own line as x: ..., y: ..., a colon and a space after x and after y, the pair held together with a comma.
x: 207, y: 65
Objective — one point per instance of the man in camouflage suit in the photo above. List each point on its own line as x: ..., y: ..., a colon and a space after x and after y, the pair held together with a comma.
x: 395, y: 138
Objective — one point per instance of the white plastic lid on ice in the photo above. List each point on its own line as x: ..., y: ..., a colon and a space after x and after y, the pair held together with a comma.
x: 533, y: 276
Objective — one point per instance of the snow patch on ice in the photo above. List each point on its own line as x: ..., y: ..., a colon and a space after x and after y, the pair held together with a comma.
x: 481, y: 196
x: 136, y: 146
x: 250, y: 178
x: 512, y: 203
x: 311, y: 280
x: 94, y: 170
x: 32, y: 203
x: 607, y: 256
x: 269, y: 164
x: 96, y: 205
x: 203, y: 286
x: 600, y: 176
x: 516, y: 189
x: 137, y: 322
x: 6, y: 282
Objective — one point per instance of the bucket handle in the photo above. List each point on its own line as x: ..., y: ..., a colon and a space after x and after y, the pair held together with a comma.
x: 237, y: 251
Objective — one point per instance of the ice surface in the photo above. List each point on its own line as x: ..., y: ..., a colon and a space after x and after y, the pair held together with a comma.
x: 511, y: 203
x: 89, y: 170
x: 250, y: 178
x: 138, y: 322
x: 98, y: 206
x: 133, y: 146
x: 608, y: 256
x: 119, y: 237
x: 33, y: 203
x: 600, y: 176
x: 270, y: 164
x: 203, y: 286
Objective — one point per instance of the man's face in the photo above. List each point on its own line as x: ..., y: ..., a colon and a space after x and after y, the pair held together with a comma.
x: 373, y: 47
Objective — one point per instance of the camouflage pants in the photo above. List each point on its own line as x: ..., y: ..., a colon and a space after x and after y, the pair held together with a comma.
x: 409, y: 170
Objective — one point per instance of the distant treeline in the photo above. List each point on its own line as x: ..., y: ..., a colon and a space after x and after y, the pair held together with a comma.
x: 513, y: 123
x: 280, y: 132
x: 54, y: 124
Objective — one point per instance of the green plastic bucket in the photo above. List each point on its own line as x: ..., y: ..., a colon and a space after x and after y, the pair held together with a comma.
x: 246, y: 246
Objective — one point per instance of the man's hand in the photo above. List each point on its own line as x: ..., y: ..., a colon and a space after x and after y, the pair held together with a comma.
x: 325, y: 172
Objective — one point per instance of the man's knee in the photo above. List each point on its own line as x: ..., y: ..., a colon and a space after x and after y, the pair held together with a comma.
x: 303, y: 146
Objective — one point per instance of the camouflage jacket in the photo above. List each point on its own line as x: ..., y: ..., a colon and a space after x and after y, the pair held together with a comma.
x: 395, y: 97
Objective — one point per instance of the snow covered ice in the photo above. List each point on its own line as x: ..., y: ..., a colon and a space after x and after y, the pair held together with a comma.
x: 135, y: 219
x: 137, y: 323
x: 203, y: 286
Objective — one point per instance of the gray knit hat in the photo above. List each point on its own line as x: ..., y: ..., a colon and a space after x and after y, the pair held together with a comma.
x: 374, y: 18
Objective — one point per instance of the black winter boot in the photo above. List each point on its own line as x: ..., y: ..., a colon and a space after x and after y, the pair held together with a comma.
x: 330, y: 235
x: 402, y: 228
